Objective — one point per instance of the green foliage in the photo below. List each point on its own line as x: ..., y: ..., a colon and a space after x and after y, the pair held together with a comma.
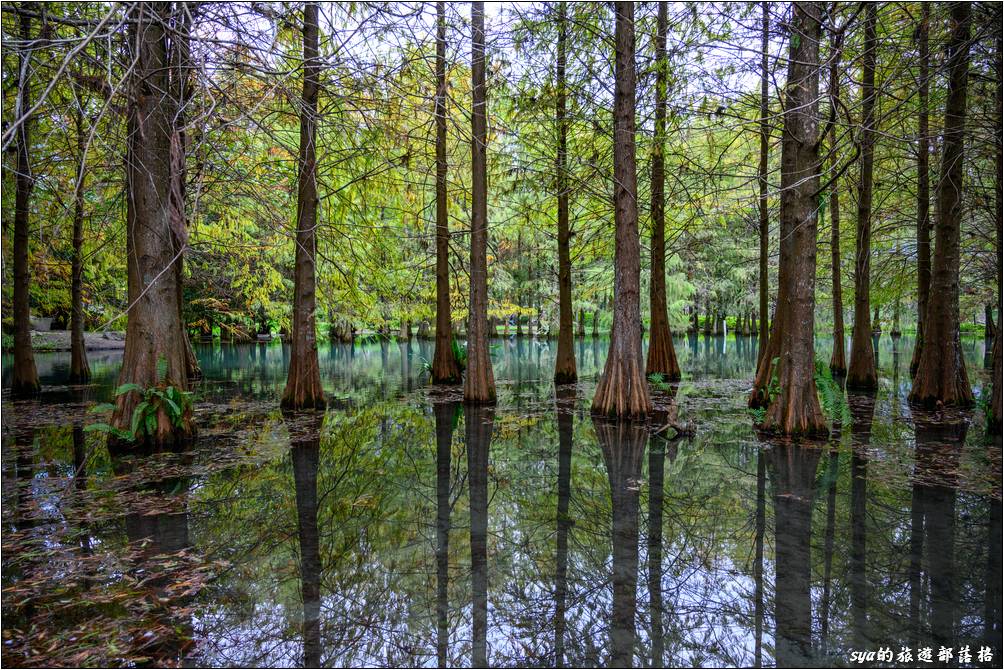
x: 175, y: 403
x: 658, y: 381
x: 459, y: 353
x: 831, y: 395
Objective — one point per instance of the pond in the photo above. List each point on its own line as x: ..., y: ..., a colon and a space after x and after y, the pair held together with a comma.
x: 403, y: 529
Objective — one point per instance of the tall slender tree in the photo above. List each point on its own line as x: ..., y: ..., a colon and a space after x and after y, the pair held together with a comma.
x: 25, y: 375
x: 923, y: 184
x: 762, y: 172
x: 479, y: 384
x: 861, y: 372
x: 564, y: 364
x: 445, y: 369
x: 80, y: 371
x: 622, y: 390
x: 303, y: 384
x: 795, y: 408
x: 838, y: 362
x: 156, y: 235
x: 941, y: 377
x: 661, y: 354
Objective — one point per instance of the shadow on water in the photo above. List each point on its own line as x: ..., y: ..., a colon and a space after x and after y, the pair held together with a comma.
x: 383, y: 534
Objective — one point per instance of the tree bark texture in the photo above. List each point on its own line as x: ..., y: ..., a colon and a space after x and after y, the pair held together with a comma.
x: 661, y: 355
x: 941, y: 377
x: 622, y: 389
x: 564, y: 364
x: 155, y: 337
x: 795, y: 408
x: 479, y: 383
x: 764, y: 147
x: 24, y: 381
x: 80, y: 371
x: 861, y: 373
x: 923, y: 185
x: 303, y: 384
x: 445, y: 369
x: 838, y: 361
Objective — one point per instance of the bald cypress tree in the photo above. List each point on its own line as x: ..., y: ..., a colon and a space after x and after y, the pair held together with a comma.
x: 622, y: 390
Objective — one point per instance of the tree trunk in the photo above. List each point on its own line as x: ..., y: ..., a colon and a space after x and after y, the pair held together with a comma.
x: 25, y: 376
x: 479, y: 383
x: 838, y: 361
x: 564, y: 364
x: 923, y: 188
x: 156, y: 235
x: 661, y: 355
x: 582, y: 323
x: 622, y: 390
x: 861, y: 372
x: 795, y: 409
x: 941, y: 377
x: 764, y: 145
x: 80, y: 371
x: 989, y: 330
x: 303, y: 385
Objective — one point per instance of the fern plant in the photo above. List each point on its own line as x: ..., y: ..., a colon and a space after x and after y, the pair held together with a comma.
x: 175, y: 403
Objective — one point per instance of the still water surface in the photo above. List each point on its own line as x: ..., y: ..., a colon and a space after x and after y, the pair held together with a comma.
x: 405, y: 529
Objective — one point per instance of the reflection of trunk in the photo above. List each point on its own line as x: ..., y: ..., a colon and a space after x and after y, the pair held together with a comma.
x: 478, y: 424
x: 564, y: 364
x: 25, y: 376
x: 793, y: 469
x: 862, y: 411
x: 661, y: 355
x: 479, y: 383
x: 622, y: 389
x: 941, y: 373
x: 446, y: 413
x: 760, y: 526
x: 623, y: 445
x: 305, y: 454
x: 939, y: 445
x: 656, y: 474
x: 303, y: 386
x: 993, y: 590
x: 831, y: 512
x: 565, y: 424
x: 795, y: 409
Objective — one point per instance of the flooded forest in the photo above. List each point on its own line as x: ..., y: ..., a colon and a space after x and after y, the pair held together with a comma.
x: 530, y: 334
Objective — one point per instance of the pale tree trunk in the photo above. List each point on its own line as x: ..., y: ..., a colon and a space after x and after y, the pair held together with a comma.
x: 303, y: 385
x: 479, y: 383
x: 25, y: 376
x: 622, y: 389
x: 764, y: 147
x: 923, y: 187
x: 155, y: 233
x: 564, y: 364
x: 661, y: 355
x: 941, y: 377
x: 445, y: 369
x: 861, y: 373
x: 795, y: 409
